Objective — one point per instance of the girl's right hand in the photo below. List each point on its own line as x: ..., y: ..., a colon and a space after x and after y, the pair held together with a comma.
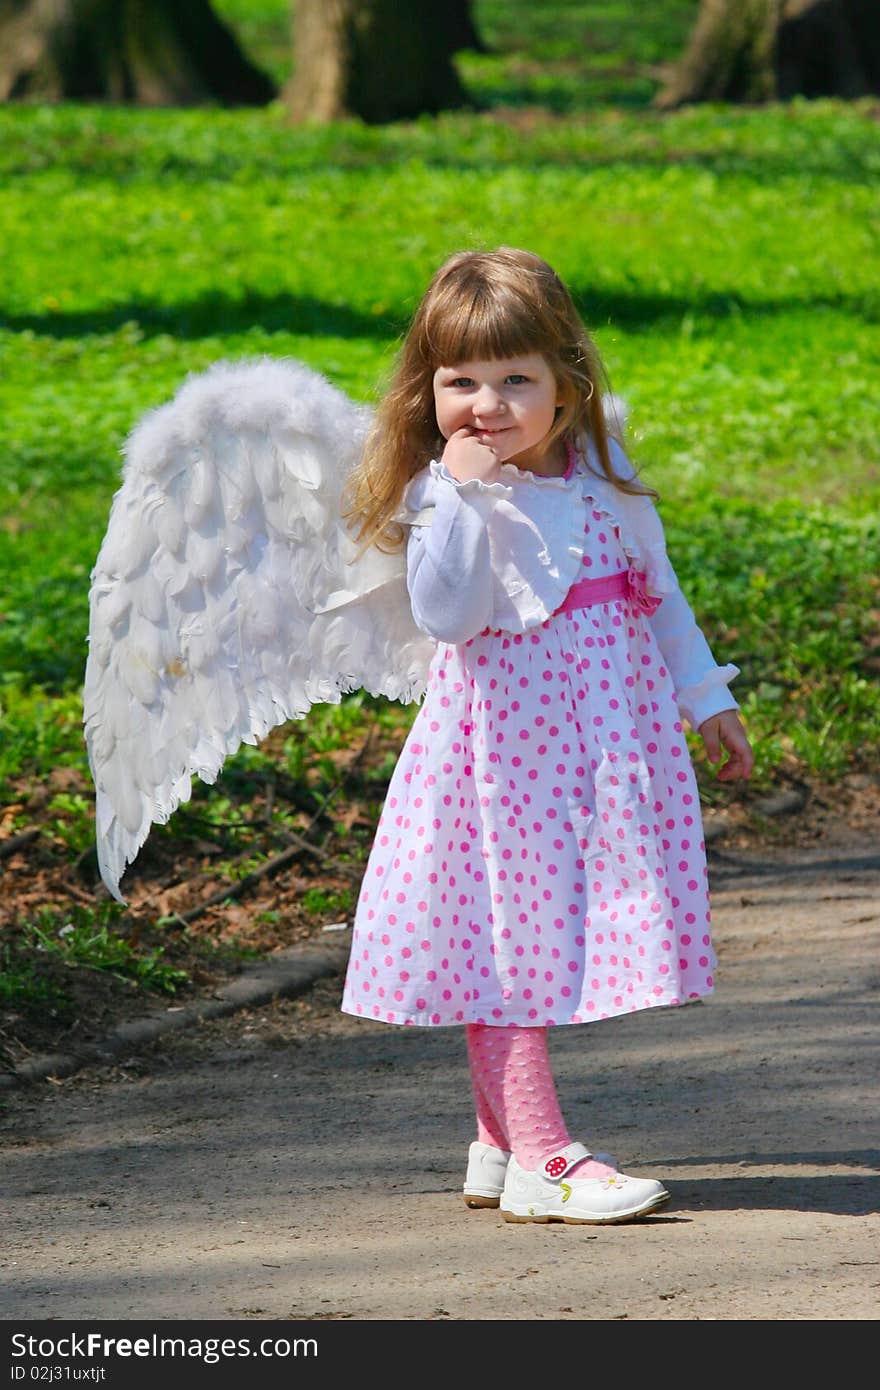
x: 466, y: 457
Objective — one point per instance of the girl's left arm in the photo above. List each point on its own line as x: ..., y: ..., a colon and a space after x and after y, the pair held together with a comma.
x: 701, y: 685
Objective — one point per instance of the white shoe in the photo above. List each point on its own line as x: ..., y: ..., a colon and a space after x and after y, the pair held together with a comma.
x: 487, y: 1170
x: 544, y: 1195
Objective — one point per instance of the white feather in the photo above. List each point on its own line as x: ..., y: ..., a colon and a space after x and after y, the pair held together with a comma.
x: 170, y: 527
x: 113, y: 606
x: 150, y: 599
x: 202, y: 499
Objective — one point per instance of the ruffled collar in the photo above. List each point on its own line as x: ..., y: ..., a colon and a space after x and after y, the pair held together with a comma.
x: 564, y: 480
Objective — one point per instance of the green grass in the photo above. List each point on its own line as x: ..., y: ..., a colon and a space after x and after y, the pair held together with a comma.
x: 322, y: 904
x: 83, y: 937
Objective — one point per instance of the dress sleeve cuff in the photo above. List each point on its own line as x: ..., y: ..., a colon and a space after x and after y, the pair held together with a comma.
x: 712, y: 696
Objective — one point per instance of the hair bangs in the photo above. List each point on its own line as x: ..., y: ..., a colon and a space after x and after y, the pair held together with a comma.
x: 482, y: 323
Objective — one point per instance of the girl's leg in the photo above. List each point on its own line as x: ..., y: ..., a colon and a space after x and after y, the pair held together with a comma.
x: 489, y: 1129
x: 517, y: 1104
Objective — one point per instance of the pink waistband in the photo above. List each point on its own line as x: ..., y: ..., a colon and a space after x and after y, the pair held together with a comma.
x: 589, y: 591
x: 628, y: 584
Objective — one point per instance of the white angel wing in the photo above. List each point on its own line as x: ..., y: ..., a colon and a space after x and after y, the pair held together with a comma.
x: 224, y: 600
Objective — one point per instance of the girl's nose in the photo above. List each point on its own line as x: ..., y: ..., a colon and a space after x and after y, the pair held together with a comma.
x: 487, y: 402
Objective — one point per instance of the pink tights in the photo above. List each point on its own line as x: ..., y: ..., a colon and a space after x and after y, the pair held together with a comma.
x: 515, y: 1096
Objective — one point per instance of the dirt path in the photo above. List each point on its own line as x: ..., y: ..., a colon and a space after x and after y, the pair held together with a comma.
x: 292, y: 1162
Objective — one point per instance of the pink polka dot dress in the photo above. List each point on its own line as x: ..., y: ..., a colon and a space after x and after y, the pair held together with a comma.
x: 539, y: 859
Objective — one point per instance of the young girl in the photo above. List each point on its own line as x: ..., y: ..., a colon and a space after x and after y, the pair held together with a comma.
x: 539, y: 859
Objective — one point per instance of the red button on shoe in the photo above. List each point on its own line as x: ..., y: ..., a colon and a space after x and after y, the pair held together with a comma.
x: 556, y: 1166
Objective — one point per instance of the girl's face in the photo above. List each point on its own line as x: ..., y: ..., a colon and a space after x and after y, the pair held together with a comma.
x: 508, y: 402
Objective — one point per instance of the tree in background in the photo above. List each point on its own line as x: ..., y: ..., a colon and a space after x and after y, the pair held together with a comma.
x: 146, y: 52
x: 382, y: 60
x: 762, y: 50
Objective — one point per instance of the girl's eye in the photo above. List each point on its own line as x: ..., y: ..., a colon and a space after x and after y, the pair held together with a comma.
x: 462, y: 381
x: 516, y: 378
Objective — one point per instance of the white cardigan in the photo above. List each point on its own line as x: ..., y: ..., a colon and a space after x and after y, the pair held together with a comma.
x: 504, y: 555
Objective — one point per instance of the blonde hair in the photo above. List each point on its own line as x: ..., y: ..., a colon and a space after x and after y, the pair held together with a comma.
x: 480, y: 305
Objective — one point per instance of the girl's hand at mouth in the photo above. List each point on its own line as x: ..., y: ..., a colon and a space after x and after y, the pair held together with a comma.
x: 469, y: 453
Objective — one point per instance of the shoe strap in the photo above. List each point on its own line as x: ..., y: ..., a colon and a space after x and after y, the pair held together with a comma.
x: 557, y: 1164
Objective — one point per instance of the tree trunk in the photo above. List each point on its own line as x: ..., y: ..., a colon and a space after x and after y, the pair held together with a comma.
x: 146, y: 52
x: 378, y: 59
x: 760, y: 50
x: 729, y: 56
